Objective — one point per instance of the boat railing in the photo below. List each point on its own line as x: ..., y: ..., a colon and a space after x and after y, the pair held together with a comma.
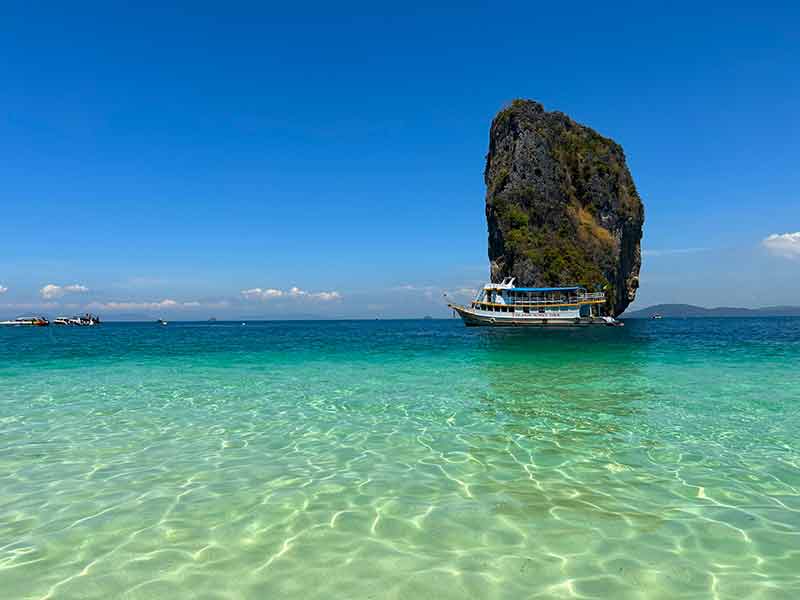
x: 592, y: 296
x: 523, y: 303
x: 531, y: 300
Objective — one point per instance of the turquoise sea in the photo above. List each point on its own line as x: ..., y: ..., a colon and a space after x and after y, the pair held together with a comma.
x: 401, y: 459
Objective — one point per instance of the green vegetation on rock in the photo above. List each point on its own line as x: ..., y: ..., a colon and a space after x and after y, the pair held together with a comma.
x: 561, y: 205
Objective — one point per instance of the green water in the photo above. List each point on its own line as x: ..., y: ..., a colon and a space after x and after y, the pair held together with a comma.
x: 413, y: 459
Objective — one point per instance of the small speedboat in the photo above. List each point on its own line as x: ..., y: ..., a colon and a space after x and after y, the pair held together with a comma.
x: 27, y: 322
x: 161, y: 322
x: 88, y: 320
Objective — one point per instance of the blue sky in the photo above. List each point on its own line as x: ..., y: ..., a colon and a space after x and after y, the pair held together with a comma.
x: 164, y: 160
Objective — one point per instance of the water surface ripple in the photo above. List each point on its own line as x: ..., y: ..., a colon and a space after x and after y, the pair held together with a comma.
x: 401, y: 459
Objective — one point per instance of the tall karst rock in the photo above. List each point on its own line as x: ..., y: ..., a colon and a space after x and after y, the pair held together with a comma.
x: 561, y: 205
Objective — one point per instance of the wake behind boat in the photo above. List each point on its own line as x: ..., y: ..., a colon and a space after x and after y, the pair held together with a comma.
x: 503, y: 304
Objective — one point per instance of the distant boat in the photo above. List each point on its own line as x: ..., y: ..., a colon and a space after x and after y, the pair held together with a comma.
x: 212, y: 320
x: 161, y: 322
x: 27, y: 322
x: 504, y: 304
x: 656, y: 316
x: 86, y: 320
x: 427, y: 318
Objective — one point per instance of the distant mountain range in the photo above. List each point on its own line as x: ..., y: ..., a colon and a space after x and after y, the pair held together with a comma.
x: 689, y: 311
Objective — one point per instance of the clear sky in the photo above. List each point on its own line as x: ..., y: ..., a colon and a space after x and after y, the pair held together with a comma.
x: 206, y: 158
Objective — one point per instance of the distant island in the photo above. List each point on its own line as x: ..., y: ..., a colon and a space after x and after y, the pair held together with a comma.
x: 689, y: 311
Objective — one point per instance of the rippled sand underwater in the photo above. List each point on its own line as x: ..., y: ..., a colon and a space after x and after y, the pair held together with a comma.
x: 401, y: 460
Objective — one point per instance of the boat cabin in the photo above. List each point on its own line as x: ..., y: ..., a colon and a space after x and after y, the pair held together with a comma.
x: 569, y: 302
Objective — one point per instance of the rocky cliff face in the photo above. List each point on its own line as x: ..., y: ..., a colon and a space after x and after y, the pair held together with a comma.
x: 561, y: 205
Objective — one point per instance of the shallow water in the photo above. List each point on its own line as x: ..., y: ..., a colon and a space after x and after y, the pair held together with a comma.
x: 394, y: 459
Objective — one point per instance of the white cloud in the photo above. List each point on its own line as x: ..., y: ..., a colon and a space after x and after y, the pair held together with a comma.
x: 33, y: 306
x: 260, y: 294
x: 294, y: 292
x: 466, y: 291
x: 3, y: 289
x: 786, y: 245
x: 166, y: 304
x: 51, y: 290
x: 326, y: 296
x: 114, y: 306
x: 409, y: 287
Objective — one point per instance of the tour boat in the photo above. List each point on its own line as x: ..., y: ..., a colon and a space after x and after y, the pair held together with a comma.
x: 27, y: 322
x: 504, y: 304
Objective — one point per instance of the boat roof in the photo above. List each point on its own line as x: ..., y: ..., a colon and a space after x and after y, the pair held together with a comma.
x: 573, y: 288
x: 508, y: 285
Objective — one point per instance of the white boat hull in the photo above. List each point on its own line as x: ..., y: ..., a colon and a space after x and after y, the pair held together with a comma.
x: 480, y: 318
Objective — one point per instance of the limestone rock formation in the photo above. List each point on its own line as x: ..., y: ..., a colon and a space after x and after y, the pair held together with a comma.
x: 561, y: 205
